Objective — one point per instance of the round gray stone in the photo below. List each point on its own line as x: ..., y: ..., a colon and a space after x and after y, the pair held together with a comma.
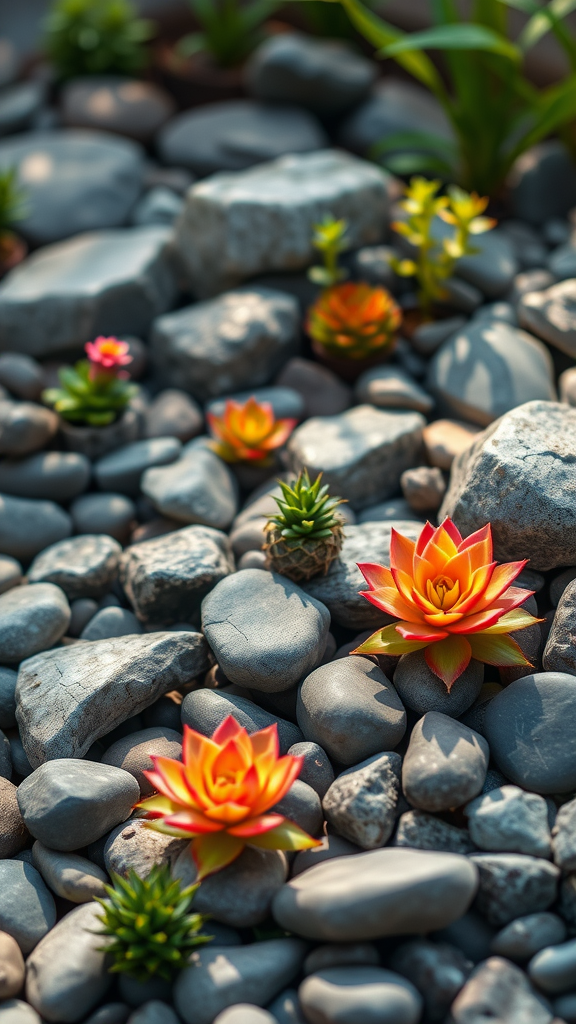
x: 173, y: 413
x: 198, y: 488
x: 204, y: 710
x: 111, y: 514
x: 109, y: 622
x: 8, y: 679
x: 12, y: 969
x: 25, y: 427
x: 525, y: 936
x: 10, y: 573
x: 437, y: 970
x: 509, y: 819
x: 68, y: 803
x: 121, y: 470
x: 528, y: 728
x: 73, y: 877
x: 265, y: 632
x: 67, y: 973
x: 32, y: 618
x: 421, y: 690
x: 345, y: 995
x: 554, y: 969
x: 16, y: 1011
x: 58, y: 476
x: 513, y: 885
x: 316, y: 769
x: 302, y: 805
x: 500, y: 992
x: 84, y: 566
x: 27, y: 526
x: 245, y: 1013
x: 132, y: 753
x: 27, y: 908
x: 445, y: 764
x: 351, y: 709
x: 374, y: 894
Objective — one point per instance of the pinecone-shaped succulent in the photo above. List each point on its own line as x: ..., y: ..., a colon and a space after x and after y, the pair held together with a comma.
x: 149, y: 921
x: 306, y: 536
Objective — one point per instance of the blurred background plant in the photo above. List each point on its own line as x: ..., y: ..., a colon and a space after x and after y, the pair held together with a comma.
x: 92, y: 37
x: 495, y: 111
x: 96, y: 390
x: 435, y: 258
x: 13, y: 208
x: 230, y: 29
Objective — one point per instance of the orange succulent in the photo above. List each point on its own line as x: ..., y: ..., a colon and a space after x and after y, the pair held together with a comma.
x: 452, y: 599
x: 248, y: 432
x: 354, y: 320
x: 220, y: 795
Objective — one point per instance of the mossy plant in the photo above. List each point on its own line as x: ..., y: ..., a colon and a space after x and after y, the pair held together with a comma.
x: 96, y: 37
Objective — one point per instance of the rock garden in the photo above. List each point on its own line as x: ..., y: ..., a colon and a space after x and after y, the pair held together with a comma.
x: 287, y: 518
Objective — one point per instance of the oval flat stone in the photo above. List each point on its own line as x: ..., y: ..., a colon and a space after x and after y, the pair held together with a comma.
x: 27, y: 908
x: 371, y: 895
x: 344, y: 995
x: 83, y: 566
x: 265, y: 631
x: 32, y: 619
x: 529, y: 727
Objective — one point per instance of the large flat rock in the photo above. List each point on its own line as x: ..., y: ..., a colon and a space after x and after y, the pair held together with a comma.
x: 101, y: 282
x: 69, y: 697
x: 237, y: 225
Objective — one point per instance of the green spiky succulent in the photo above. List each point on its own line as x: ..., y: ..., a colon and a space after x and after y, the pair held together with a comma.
x: 149, y: 921
x: 306, y: 536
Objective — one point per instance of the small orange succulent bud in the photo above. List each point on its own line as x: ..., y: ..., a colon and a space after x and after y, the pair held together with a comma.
x: 354, y: 320
x: 248, y: 432
x: 451, y: 598
x: 220, y: 795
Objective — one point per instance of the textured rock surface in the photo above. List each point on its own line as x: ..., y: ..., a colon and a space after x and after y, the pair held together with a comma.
x: 198, y: 488
x: 500, y: 992
x: 83, y: 566
x: 265, y: 632
x: 564, y: 837
x: 167, y: 578
x: 512, y: 884
x: 519, y: 477
x: 361, y: 803
x: 560, y: 651
x: 237, y: 340
x: 351, y: 709
x: 90, y: 688
x: 374, y: 894
x: 97, y: 283
x: 362, y: 453
x: 424, y: 831
x: 551, y: 314
x: 13, y: 832
x: 341, y: 588
x: 507, y: 818
x: 238, y: 225
x: 527, y: 729
x: 132, y: 845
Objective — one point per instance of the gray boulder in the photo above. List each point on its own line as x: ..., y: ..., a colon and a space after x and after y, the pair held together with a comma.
x: 445, y: 764
x: 75, y: 181
x: 101, y: 282
x: 221, y: 976
x: 512, y: 884
x: 67, y: 973
x: 69, y: 803
x: 204, y: 710
x: 351, y: 709
x: 489, y: 368
x: 27, y: 527
x: 375, y: 894
x: 27, y: 908
x: 198, y: 488
x: 508, y: 819
x: 361, y: 802
x: 57, y: 476
x: 265, y: 632
x: 421, y: 690
x: 324, y: 75
x: 238, y: 225
x: 68, y: 698
x: 527, y: 728
x: 236, y: 134
x: 240, y: 339
x: 167, y: 578
x: 518, y: 476
x: 362, y: 453
x: 359, y: 993
x: 32, y: 619
x: 551, y: 315
x: 341, y: 589
x: 84, y: 566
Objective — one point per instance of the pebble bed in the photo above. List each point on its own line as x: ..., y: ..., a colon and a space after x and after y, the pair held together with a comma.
x: 134, y: 593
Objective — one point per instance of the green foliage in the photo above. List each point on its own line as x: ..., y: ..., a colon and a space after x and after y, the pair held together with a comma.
x: 495, y: 111
x: 330, y: 240
x: 12, y: 199
x: 96, y: 400
x: 149, y: 921
x: 231, y: 29
x: 306, y: 510
x: 435, y: 258
x: 93, y: 37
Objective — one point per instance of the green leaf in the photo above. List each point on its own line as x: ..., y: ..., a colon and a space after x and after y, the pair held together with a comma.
x: 454, y: 37
x: 545, y: 19
x: 556, y: 108
x: 404, y: 164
